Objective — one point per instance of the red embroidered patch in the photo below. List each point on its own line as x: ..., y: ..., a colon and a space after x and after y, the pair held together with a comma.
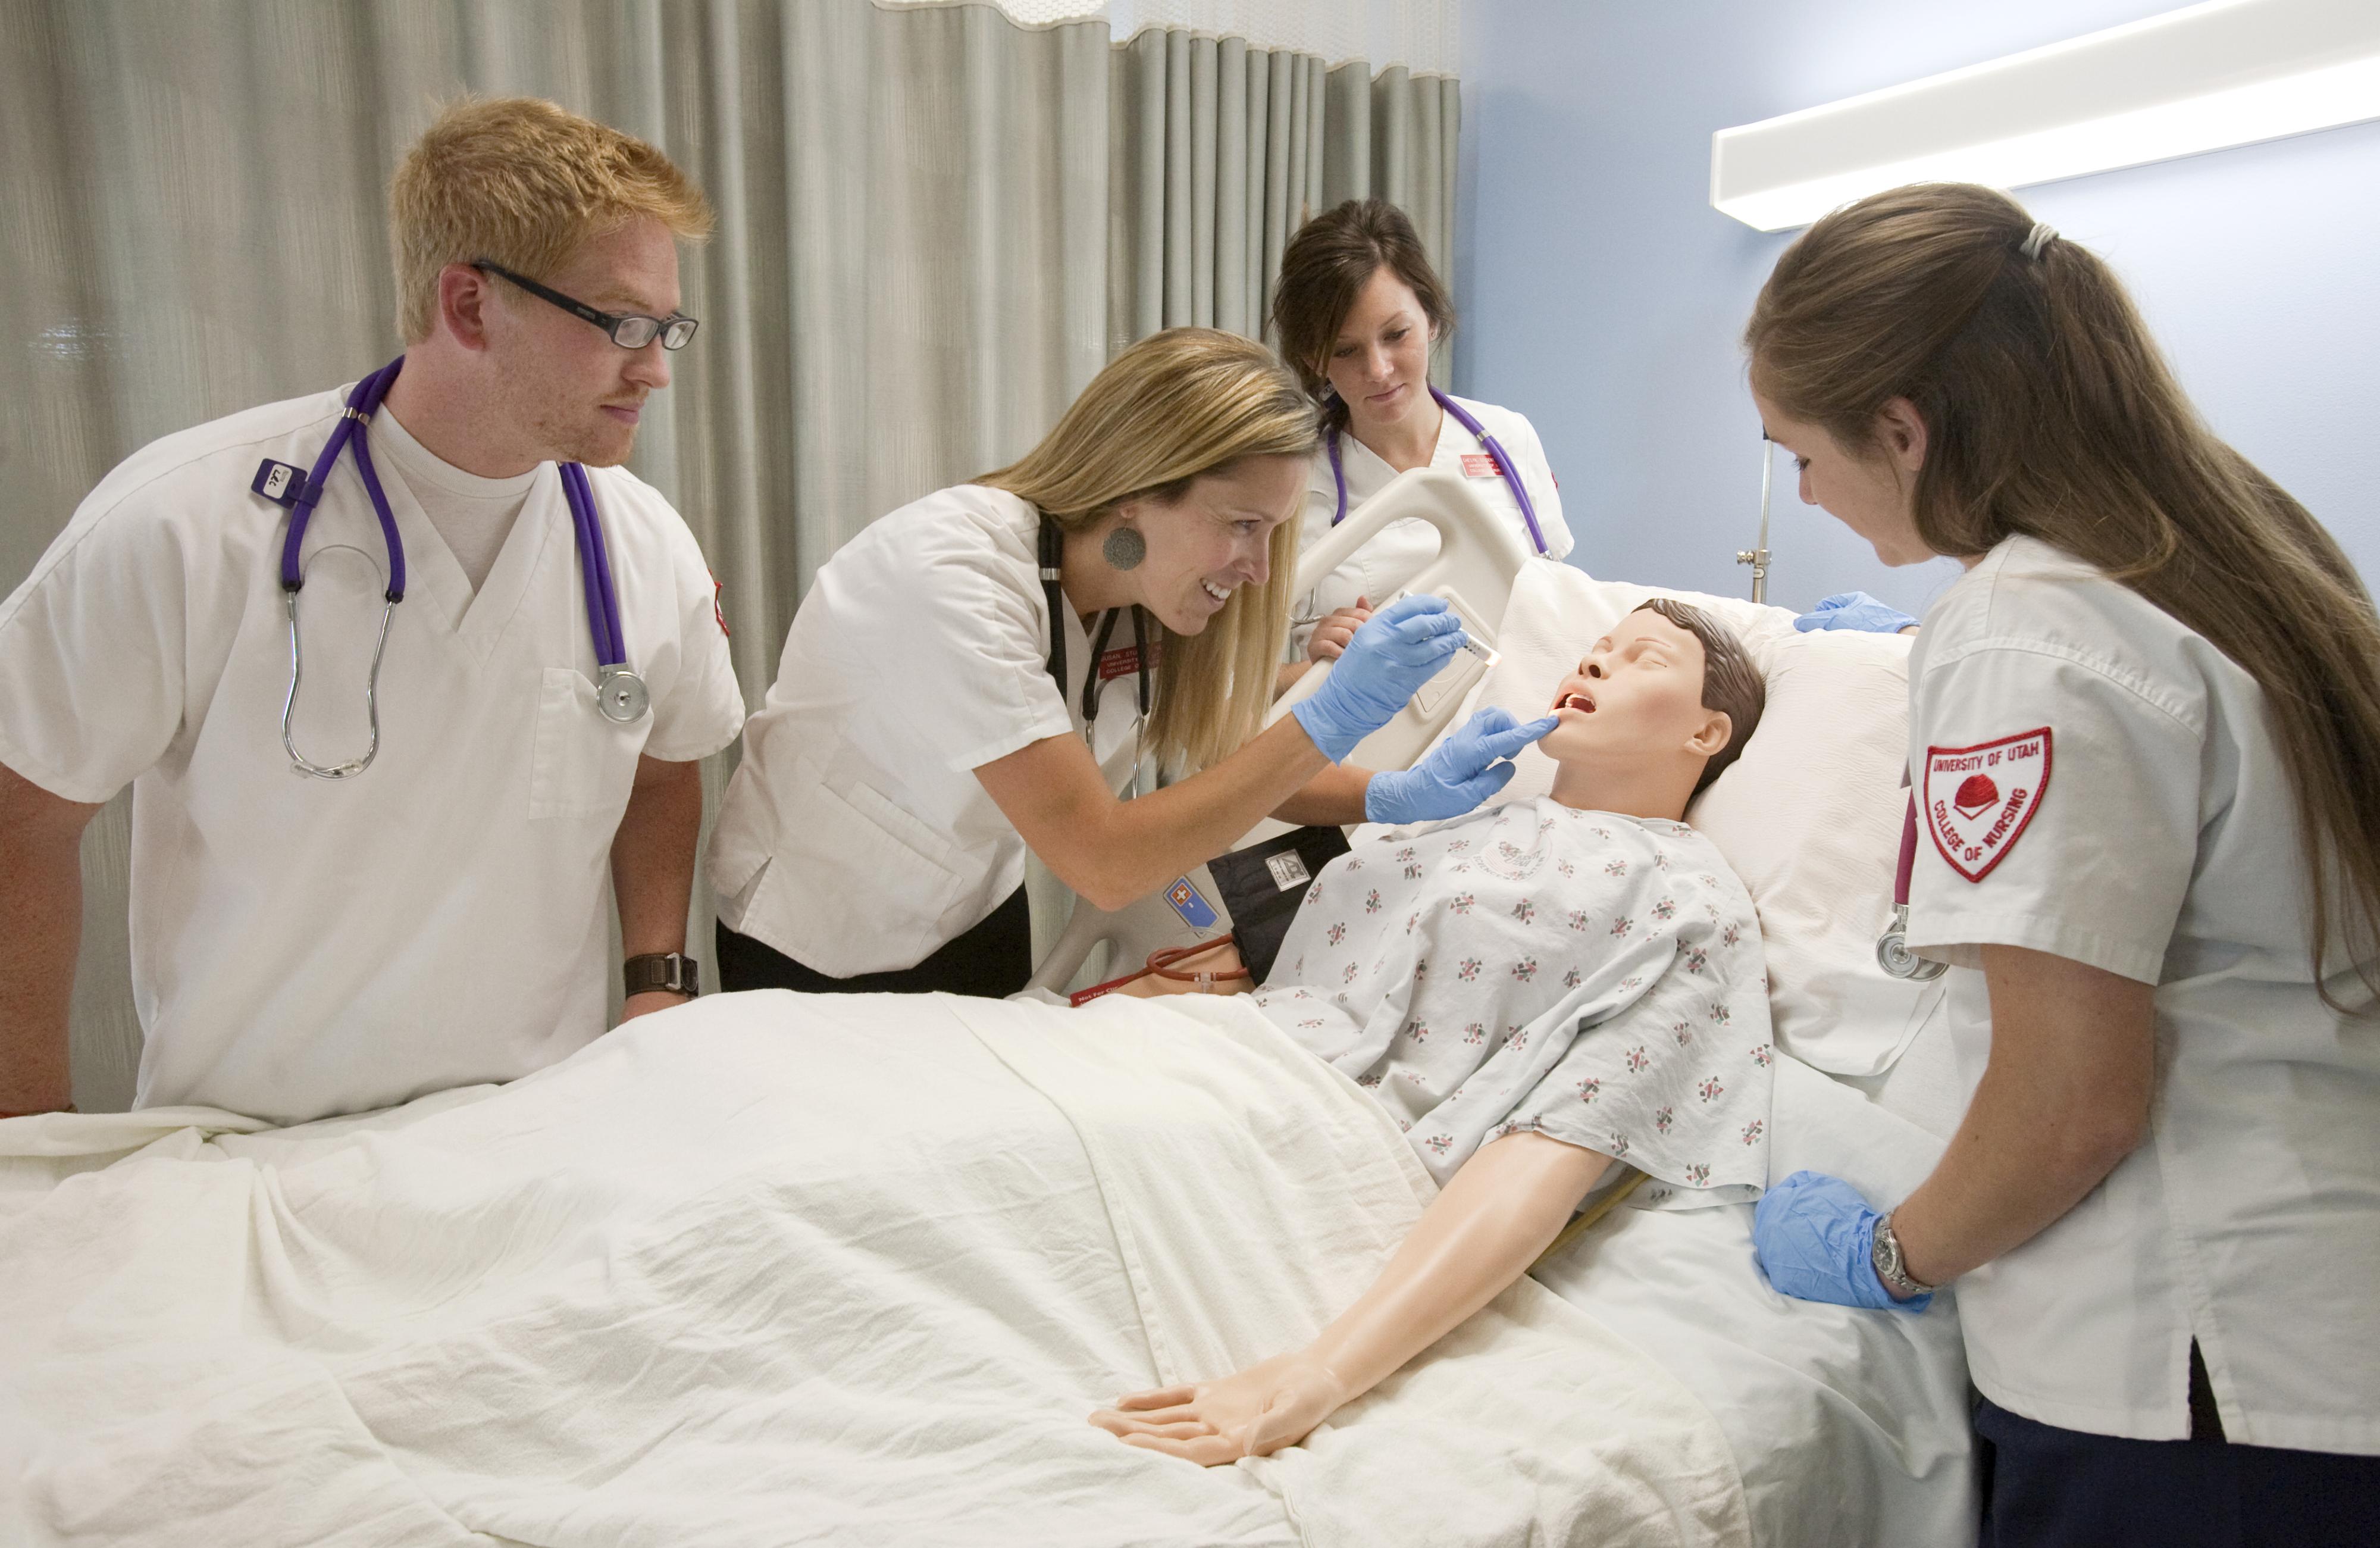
x: 717, y: 610
x: 1480, y: 465
x: 1979, y: 798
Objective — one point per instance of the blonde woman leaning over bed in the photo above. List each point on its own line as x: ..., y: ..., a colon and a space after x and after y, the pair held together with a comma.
x: 1533, y: 992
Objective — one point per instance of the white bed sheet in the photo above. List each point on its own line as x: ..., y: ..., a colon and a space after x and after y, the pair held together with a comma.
x: 1851, y: 1429
x: 781, y: 1269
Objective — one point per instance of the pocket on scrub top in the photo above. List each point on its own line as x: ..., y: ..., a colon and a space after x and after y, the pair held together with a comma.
x: 875, y: 869
x: 584, y: 762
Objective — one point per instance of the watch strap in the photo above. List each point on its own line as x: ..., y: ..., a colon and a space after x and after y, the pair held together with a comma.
x: 1891, y: 1267
x: 673, y: 972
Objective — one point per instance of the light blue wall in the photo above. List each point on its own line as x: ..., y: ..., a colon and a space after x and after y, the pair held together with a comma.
x: 1600, y: 295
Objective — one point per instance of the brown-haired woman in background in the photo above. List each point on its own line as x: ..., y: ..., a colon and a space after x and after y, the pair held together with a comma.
x: 1355, y: 314
x: 936, y: 709
x: 2144, y: 728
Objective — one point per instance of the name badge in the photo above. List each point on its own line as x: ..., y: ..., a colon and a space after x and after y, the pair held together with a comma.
x: 1480, y: 465
x: 278, y: 481
x: 1124, y: 662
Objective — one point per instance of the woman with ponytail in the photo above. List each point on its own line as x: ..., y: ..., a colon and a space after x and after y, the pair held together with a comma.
x: 2144, y: 752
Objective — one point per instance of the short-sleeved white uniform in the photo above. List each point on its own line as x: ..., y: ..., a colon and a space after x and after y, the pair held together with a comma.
x: 1400, y: 549
x: 2098, y: 782
x: 303, y: 947
x: 856, y: 837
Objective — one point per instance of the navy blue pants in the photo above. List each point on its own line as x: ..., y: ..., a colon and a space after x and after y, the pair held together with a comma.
x: 2050, y: 1488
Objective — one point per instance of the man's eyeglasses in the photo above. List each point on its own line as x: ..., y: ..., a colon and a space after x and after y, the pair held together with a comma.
x: 630, y: 330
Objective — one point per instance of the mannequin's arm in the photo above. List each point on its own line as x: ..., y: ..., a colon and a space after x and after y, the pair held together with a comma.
x: 1479, y: 1235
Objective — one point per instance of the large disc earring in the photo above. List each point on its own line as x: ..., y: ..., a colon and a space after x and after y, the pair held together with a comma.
x: 1125, y: 549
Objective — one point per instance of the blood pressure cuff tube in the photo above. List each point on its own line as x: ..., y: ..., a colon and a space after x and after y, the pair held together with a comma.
x: 1263, y: 884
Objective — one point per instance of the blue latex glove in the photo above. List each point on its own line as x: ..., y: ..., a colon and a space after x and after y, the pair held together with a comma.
x: 1854, y: 610
x: 1814, y: 1234
x: 1459, y: 773
x: 1398, y: 648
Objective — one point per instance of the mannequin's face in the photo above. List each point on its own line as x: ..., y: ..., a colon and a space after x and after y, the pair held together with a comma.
x: 1636, y: 697
x: 1379, y: 363
x: 1214, y: 540
x: 1872, y: 493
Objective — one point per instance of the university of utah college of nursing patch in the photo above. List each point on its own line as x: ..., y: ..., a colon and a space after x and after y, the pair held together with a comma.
x: 1979, y: 798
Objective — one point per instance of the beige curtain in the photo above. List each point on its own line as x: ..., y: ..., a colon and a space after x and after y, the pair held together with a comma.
x: 935, y: 225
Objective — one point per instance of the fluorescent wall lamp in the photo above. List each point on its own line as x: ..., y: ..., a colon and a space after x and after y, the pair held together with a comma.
x: 2204, y: 78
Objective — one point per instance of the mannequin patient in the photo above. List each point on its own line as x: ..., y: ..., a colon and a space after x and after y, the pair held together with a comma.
x: 1533, y: 992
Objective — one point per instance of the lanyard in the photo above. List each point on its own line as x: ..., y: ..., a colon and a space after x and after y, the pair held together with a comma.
x: 1052, y: 547
x: 1488, y: 444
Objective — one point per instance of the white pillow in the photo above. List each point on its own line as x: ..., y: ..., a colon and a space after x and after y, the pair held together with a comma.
x: 1809, y: 816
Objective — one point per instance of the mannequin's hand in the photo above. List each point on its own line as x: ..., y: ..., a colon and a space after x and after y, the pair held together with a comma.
x: 1337, y: 628
x: 1255, y: 1413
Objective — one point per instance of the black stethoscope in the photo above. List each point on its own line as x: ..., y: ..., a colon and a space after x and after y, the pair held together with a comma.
x: 620, y: 694
x: 1053, y: 540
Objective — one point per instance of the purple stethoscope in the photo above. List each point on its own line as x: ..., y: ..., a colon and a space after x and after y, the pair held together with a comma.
x: 1487, y: 443
x: 619, y: 694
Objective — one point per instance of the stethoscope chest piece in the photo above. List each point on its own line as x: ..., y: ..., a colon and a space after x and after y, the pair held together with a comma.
x: 1892, y: 953
x: 621, y: 695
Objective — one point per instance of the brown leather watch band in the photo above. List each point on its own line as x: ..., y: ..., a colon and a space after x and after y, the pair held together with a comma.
x: 673, y: 972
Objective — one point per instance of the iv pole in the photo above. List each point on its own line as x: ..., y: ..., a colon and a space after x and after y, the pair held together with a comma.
x: 1758, y: 557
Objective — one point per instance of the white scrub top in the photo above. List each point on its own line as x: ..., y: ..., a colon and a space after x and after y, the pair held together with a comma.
x: 1400, y: 550
x: 2098, y: 782
x: 303, y: 947
x: 856, y: 837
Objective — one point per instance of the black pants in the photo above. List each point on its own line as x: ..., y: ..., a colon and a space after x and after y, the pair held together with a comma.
x: 2044, y: 1487
x: 992, y: 959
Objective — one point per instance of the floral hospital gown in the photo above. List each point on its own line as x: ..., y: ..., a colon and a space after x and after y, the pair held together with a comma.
x: 1595, y: 978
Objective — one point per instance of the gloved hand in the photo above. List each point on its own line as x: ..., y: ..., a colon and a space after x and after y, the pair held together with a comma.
x: 1854, y: 610
x: 1459, y: 773
x: 1813, y: 1234
x: 1402, y: 648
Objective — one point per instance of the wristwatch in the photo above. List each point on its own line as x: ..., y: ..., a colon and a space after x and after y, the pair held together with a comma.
x: 672, y: 970
x: 1886, y: 1257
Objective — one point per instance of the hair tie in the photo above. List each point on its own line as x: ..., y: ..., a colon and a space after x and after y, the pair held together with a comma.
x: 2040, y: 237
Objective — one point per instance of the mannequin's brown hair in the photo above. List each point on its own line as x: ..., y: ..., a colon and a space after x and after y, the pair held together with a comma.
x: 1732, y: 681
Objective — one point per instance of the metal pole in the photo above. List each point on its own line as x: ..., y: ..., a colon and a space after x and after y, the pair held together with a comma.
x: 1758, y: 557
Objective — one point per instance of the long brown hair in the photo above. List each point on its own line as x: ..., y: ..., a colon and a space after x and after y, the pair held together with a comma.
x: 1168, y: 410
x: 2049, y: 411
x: 1330, y: 261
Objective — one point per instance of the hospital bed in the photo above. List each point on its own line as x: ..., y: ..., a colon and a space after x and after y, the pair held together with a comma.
x: 776, y: 1268
x: 1846, y: 1429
